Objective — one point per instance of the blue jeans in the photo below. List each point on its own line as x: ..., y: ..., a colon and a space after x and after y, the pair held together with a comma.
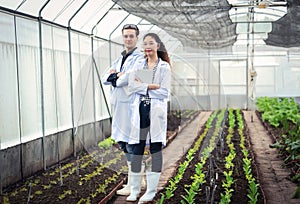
x: 138, y: 149
x: 127, y: 149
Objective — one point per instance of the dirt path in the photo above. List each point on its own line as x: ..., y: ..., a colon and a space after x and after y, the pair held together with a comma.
x: 273, y: 177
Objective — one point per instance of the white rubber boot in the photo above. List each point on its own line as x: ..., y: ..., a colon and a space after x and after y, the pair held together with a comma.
x: 135, y: 186
x: 152, y: 183
x: 125, y: 191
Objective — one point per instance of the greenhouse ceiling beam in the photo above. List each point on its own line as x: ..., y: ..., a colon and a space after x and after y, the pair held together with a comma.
x: 99, y: 21
x: 263, y: 13
x: 63, y: 9
x: 261, y: 4
x: 109, y: 38
x: 78, y: 10
x: 110, y: 58
x: 20, y: 4
x: 17, y: 13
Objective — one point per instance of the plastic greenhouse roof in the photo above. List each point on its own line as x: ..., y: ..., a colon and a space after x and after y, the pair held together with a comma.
x: 82, y: 15
x: 193, y: 23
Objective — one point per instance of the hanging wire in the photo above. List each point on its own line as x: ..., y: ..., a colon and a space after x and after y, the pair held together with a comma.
x: 252, y: 71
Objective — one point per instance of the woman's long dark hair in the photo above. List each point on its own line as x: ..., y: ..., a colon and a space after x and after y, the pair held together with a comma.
x: 162, y: 51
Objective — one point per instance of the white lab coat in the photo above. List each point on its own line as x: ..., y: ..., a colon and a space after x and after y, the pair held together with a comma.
x: 159, y: 102
x: 120, y: 97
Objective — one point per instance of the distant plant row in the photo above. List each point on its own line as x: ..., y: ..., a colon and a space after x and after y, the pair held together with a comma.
x: 284, y: 115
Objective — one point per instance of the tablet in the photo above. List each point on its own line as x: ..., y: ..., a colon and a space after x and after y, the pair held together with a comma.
x: 145, y: 75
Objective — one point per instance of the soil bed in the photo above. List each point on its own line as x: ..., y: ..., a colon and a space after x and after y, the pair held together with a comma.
x: 215, y: 166
x: 276, y: 136
x: 89, y: 178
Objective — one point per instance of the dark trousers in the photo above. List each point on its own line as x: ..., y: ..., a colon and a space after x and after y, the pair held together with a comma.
x: 138, y: 149
x: 127, y: 149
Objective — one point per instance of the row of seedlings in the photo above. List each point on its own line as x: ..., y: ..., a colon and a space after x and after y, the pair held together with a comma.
x: 253, y: 186
x: 56, y: 185
x: 238, y: 182
x: 170, y: 193
x: 222, y: 170
x: 198, y: 179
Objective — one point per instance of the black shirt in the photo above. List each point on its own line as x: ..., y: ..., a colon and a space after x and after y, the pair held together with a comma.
x: 125, y: 55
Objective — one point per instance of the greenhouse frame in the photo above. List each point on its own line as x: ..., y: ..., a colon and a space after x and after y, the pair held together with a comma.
x: 224, y: 54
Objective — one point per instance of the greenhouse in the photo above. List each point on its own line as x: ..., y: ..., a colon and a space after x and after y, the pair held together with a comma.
x: 223, y: 98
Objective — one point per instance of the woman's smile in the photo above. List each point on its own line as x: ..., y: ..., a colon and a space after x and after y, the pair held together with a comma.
x: 148, y: 50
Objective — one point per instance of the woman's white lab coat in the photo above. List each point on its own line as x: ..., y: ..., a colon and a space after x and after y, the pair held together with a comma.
x: 120, y: 97
x: 159, y: 102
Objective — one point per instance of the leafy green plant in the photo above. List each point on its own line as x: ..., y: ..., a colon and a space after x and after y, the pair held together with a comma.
x: 172, y: 185
x: 199, y: 178
x: 162, y: 198
x: 284, y: 114
x: 253, y: 192
x: 253, y: 186
x: 190, y: 194
x: 5, y: 199
x: 64, y: 194
x: 38, y: 192
x: 106, y: 143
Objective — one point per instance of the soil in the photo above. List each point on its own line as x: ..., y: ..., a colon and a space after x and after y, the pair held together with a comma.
x: 89, y: 178
x: 274, y: 176
x: 214, y: 166
x: 46, y: 186
x: 276, y: 136
x: 274, y: 179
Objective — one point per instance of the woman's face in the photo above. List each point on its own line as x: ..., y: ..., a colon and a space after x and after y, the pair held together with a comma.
x: 150, y: 46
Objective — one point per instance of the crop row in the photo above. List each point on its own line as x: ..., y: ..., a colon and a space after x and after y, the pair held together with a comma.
x: 209, y: 172
x: 283, y: 114
x: 68, y: 182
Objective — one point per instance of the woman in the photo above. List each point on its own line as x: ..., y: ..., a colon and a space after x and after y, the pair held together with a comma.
x: 149, y: 114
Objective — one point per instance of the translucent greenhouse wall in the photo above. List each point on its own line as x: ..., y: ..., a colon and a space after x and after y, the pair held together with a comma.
x: 50, y: 108
x: 21, y: 75
x: 222, y: 78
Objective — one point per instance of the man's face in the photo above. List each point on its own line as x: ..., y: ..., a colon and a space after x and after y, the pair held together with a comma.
x: 129, y: 38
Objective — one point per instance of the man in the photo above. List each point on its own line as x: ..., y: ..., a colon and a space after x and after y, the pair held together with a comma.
x: 117, y: 76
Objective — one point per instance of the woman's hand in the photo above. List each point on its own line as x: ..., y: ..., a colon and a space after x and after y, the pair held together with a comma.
x: 153, y: 86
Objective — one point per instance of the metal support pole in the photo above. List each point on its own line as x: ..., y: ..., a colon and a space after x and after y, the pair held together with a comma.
x: 71, y: 76
x: 94, y: 62
x: 99, y: 80
x: 42, y: 82
x: 18, y: 90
